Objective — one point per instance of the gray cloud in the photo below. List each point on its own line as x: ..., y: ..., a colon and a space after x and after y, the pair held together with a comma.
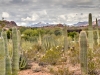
x: 64, y: 11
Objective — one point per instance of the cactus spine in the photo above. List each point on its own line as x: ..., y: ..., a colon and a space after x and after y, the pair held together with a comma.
x: 15, y: 58
x: 83, y: 52
x: 8, y: 60
x: 90, y: 32
x: 2, y: 57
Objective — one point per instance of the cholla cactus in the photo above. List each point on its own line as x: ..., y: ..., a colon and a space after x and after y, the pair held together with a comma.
x: 83, y: 52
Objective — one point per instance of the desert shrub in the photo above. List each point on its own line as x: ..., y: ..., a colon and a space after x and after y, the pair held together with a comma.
x: 73, y: 53
x: 48, y: 42
x: 30, y: 34
x: 33, y: 52
x: 91, y: 62
x: 9, y: 34
x: 72, y: 34
x: 97, y: 58
x: 57, y: 32
x: 52, y: 56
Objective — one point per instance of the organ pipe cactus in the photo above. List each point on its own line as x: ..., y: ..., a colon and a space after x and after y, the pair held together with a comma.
x: 90, y: 32
x: 2, y: 57
x: 15, y: 57
x: 83, y: 52
x: 8, y: 60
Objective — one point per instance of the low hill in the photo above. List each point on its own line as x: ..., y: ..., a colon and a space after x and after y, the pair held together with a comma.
x: 7, y: 24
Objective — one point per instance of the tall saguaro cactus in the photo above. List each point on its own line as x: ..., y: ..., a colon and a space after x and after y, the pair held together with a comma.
x: 95, y: 37
x: 65, y: 39
x: 98, y: 39
x: 90, y: 20
x: 90, y: 32
x: 15, y: 58
x: 2, y: 57
x: 83, y: 52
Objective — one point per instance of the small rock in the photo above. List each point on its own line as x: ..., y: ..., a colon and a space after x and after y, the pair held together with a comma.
x: 36, y: 68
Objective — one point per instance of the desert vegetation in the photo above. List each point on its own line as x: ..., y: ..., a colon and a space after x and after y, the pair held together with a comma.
x: 54, y: 51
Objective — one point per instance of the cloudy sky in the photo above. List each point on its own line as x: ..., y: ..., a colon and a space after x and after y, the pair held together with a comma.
x: 27, y: 12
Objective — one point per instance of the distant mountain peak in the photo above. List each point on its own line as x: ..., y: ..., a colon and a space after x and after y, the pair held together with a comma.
x: 85, y: 23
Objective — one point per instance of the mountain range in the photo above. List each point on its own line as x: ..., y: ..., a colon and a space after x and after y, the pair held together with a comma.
x: 84, y: 23
x: 9, y: 24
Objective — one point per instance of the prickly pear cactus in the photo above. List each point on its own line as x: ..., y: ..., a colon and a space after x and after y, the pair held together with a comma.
x: 83, y: 52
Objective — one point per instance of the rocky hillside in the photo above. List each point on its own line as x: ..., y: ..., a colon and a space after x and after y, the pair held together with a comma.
x: 7, y: 24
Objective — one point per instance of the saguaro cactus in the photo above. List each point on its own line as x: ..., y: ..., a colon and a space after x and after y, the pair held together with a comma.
x: 95, y: 37
x: 90, y: 20
x: 8, y: 60
x: 8, y: 66
x: 83, y: 52
x: 15, y: 57
x: 98, y: 38
x: 90, y: 32
x: 2, y: 57
x: 65, y: 39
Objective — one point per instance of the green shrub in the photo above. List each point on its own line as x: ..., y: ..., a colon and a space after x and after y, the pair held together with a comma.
x: 52, y: 56
x: 91, y: 62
